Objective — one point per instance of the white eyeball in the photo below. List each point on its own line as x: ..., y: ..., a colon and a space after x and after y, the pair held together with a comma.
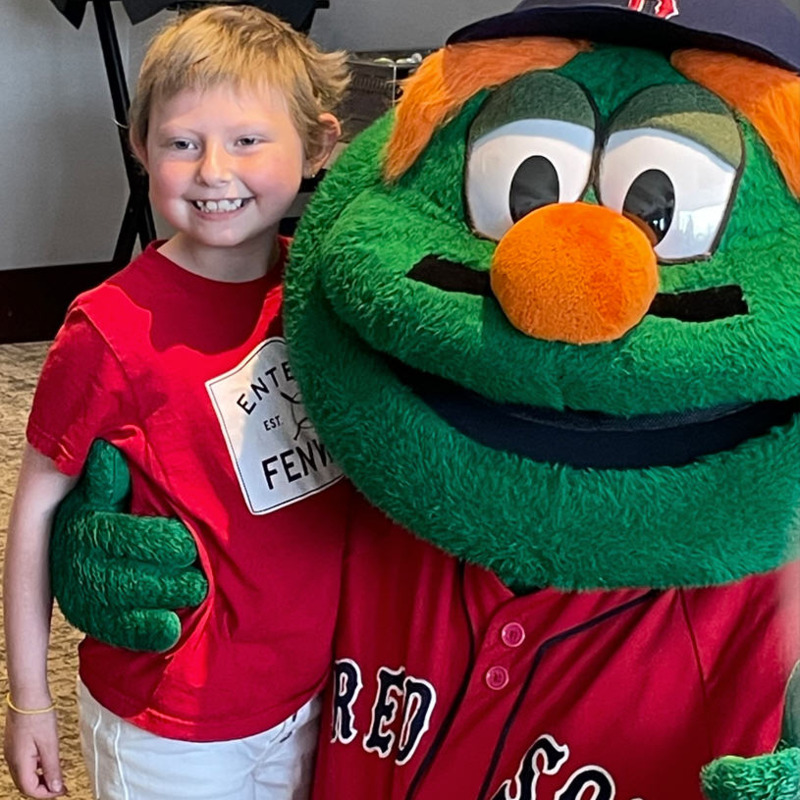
x: 522, y: 166
x: 676, y: 186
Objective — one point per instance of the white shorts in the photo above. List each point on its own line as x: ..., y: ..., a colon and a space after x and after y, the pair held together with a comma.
x: 128, y: 763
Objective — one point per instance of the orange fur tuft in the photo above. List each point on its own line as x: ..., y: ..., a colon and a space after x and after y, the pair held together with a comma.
x: 450, y: 76
x: 768, y: 96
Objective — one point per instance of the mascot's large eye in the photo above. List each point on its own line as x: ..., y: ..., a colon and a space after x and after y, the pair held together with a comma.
x: 676, y: 187
x: 522, y: 166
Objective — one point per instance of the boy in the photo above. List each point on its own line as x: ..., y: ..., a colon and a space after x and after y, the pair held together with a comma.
x: 179, y: 361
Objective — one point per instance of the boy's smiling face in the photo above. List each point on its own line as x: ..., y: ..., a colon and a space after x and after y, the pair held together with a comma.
x: 664, y: 452
x: 225, y: 164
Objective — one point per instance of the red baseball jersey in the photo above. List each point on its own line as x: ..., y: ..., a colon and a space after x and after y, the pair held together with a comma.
x: 447, y: 685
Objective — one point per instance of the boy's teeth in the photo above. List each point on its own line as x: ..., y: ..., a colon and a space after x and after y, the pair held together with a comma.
x: 212, y: 206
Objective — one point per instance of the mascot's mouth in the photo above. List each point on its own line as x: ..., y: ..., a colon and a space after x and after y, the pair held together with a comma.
x: 704, y: 305
x: 590, y: 439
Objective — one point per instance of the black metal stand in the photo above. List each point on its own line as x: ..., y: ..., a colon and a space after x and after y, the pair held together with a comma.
x: 138, y: 217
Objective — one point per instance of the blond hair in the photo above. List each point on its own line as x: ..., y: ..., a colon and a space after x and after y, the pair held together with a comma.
x: 245, y: 46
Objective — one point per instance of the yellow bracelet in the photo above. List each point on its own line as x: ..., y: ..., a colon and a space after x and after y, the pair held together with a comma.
x: 49, y: 708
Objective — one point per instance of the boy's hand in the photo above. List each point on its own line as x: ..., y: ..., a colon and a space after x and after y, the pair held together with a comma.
x: 119, y: 577
x: 31, y: 752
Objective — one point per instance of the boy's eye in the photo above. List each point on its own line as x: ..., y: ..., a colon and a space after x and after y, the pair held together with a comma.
x: 248, y: 141
x: 181, y: 144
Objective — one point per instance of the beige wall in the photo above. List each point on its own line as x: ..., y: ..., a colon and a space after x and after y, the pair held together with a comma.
x: 63, y: 186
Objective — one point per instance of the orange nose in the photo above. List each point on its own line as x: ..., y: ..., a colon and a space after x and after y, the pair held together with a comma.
x: 574, y: 272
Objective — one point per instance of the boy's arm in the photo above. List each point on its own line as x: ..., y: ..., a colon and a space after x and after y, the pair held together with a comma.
x: 116, y: 577
x: 31, y: 740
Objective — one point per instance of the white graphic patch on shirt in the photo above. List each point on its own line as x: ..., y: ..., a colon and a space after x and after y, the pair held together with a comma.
x: 276, y: 453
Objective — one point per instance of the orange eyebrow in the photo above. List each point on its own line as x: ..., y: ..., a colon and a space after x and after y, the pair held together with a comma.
x: 768, y: 96
x: 450, y: 76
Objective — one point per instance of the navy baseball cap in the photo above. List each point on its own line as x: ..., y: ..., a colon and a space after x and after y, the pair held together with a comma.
x: 766, y: 30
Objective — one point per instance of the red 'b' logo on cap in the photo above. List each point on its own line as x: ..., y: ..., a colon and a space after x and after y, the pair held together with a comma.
x: 661, y: 8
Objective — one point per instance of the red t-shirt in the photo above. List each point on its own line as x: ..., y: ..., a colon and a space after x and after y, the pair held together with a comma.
x: 188, y: 377
x: 447, y: 685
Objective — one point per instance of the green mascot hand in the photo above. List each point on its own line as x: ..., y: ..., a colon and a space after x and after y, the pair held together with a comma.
x: 771, y: 777
x: 116, y: 576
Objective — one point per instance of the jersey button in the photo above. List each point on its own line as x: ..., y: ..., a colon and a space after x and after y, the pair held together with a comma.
x: 513, y: 634
x: 496, y: 677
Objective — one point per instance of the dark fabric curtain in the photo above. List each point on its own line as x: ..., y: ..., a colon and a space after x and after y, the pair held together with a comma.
x: 298, y: 13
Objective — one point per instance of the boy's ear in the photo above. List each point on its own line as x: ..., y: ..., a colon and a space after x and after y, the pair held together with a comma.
x: 330, y: 129
x: 139, y: 150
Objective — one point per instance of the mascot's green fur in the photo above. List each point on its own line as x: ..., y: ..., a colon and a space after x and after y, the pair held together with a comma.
x: 355, y: 314
x: 653, y: 448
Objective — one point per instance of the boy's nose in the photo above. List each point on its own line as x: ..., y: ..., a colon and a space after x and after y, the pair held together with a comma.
x: 214, y: 167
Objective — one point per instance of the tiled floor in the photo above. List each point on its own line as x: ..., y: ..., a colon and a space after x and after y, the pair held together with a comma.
x: 19, y: 368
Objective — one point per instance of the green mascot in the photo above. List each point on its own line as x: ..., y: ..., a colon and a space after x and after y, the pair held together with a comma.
x: 546, y: 316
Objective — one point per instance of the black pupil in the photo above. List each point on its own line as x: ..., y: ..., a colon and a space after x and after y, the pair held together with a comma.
x: 651, y: 198
x: 535, y: 184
